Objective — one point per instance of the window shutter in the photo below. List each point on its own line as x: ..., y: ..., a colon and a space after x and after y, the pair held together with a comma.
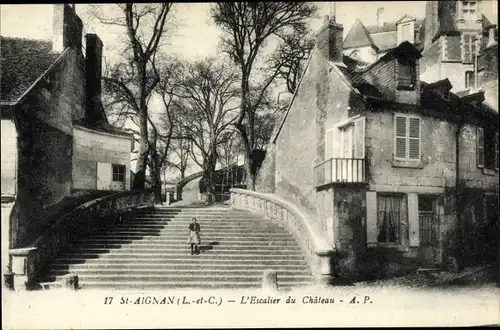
x: 496, y: 151
x: 329, y: 143
x: 413, y: 220
x: 336, y: 143
x: 104, y: 176
x: 371, y: 218
x: 414, y: 139
x: 359, y: 138
x: 400, y: 137
x: 480, y: 147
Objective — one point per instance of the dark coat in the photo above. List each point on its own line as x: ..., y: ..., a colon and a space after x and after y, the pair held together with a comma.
x: 194, y: 227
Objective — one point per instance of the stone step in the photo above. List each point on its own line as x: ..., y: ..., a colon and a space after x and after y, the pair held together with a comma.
x: 169, y: 251
x: 181, y: 240
x: 158, y: 285
x: 159, y: 256
x: 182, y: 243
x: 214, y: 226
x: 214, y: 278
x: 187, y: 265
x: 175, y: 272
x: 174, y: 232
x: 184, y: 259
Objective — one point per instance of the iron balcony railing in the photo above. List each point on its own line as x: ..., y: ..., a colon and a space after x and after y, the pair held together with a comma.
x: 340, y: 170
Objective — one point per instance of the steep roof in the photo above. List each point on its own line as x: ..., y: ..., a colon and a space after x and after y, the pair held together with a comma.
x: 384, y: 37
x: 23, y: 61
x: 357, y: 36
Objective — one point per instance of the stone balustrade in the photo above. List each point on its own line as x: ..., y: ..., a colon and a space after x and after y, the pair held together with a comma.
x: 316, y: 248
x: 26, y: 263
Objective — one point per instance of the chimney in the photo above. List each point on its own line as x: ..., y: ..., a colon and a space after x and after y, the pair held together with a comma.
x: 67, y: 28
x: 380, y: 16
x: 491, y: 38
x: 329, y: 40
x: 93, y: 68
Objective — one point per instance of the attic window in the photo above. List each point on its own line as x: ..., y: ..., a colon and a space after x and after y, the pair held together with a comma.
x: 469, y: 10
x: 407, y: 74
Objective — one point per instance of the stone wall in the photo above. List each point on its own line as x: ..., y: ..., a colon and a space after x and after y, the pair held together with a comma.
x: 91, y: 147
x: 44, y: 174
x: 9, y: 157
x: 455, y: 72
x: 471, y: 175
x: 437, y: 166
x: 59, y: 98
x: 430, y: 62
x: 45, y: 148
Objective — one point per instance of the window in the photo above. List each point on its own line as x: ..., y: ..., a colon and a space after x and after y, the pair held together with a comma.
x: 469, y: 9
x: 469, y: 47
x: 118, y: 173
x: 392, y: 215
x: 346, y: 141
x: 405, y: 32
x: 407, y: 74
x: 487, y: 148
x: 407, y: 137
x: 428, y: 220
x: 469, y: 79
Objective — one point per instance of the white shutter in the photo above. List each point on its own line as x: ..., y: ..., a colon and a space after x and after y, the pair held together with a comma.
x: 413, y: 220
x: 359, y: 138
x: 400, y: 137
x: 336, y: 143
x: 329, y: 143
x: 371, y: 218
x: 104, y: 176
x: 414, y: 139
x: 480, y: 147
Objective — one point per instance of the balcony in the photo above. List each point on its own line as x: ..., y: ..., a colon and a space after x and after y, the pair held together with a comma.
x: 340, y: 170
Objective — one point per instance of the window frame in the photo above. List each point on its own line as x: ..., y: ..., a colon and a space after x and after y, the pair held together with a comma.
x: 403, y: 225
x: 472, y: 79
x: 482, y: 152
x: 467, y: 7
x: 411, y: 63
x: 471, y: 44
x: 118, y: 173
x: 407, y: 138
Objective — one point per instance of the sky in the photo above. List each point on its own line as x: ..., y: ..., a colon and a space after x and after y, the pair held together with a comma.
x: 196, y: 37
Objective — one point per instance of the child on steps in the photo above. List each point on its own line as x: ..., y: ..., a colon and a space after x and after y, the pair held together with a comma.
x: 194, y: 236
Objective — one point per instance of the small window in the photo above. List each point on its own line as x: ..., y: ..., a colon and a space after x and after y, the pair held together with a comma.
x: 487, y: 148
x: 118, y: 173
x: 469, y: 48
x: 469, y: 79
x: 469, y: 10
x: 392, y: 215
x: 407, y: 143
x: 407, y: 74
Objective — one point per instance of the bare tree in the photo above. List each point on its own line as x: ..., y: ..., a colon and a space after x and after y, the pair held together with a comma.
x: 291, y: 56
x: 208, y: 100
x: 134, y: 80
x: 248, y: 26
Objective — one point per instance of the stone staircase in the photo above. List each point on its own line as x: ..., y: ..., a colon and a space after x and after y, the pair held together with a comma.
x: 150, y: 250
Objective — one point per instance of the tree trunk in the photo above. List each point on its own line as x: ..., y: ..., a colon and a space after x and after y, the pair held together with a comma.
x: 140, y: 175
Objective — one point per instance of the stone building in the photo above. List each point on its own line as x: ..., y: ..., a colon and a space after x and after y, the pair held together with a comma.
x: 456, y: 33
x: 385, y: 163
x: 366, y: 44
x: 450, y: 36
x: 56, y: 138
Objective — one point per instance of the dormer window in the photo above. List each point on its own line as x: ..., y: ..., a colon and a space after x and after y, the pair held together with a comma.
x: 405, y: 33
x: 407, y: 74
x: 469, y: 10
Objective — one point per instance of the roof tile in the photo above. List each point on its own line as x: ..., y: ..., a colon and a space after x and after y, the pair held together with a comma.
x: 23, y: 61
